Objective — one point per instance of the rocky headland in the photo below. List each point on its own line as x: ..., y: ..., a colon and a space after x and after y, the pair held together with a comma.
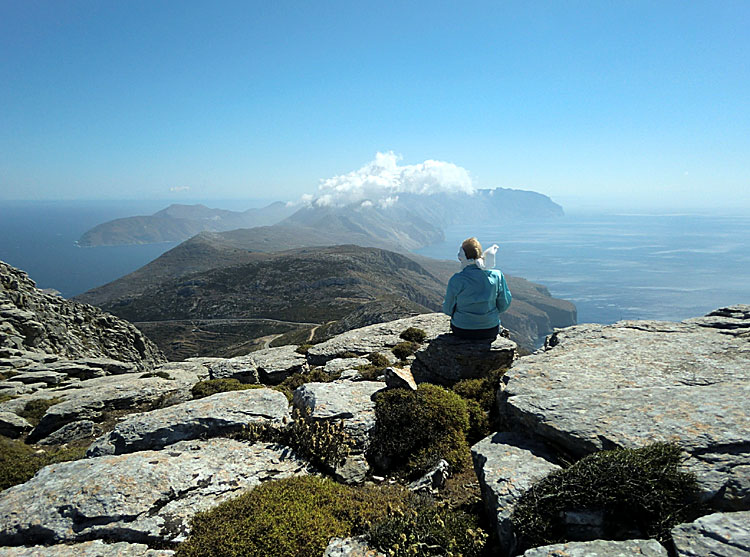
x: 151, y: 447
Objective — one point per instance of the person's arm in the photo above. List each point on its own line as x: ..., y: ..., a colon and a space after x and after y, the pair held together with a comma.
x: 503, y: 295
x: 449, y: 303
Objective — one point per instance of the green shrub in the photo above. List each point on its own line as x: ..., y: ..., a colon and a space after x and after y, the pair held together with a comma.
x: 427, y: 530
x: 323, y: 442
x: 412, y: 334
x: 293, y: 517
x: 36, y: 408
x: 378, y: 360
x: 315, y: 375
x: 303, y: 348
x: 212, y: 386
x: 483, y: 390
x: 479, y: 422
x: 641, y: 490
x: 19, y: 461
x: 404, y: 349
x: 416, y: 429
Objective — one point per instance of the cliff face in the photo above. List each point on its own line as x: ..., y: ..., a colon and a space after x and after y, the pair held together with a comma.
x: 32, y: 321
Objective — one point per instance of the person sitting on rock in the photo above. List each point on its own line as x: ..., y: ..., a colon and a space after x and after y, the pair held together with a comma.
x: 477, y: 295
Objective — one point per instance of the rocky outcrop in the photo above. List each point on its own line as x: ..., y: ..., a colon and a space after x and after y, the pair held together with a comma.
x: 350, y: 547
x: 507, y: 465
x: 213, y: 416
x: 600, y: 548
x: 95, y: 548
x: 637, y: 382
x: 715, y: 535
x: 144, y: 497
x: 33, y: 321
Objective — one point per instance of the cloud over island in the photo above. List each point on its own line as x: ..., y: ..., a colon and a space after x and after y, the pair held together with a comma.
x: 380, y: 181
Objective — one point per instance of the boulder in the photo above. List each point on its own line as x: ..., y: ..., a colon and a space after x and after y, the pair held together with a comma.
x: 211, y: 416
x: 396, y: 378
x: 626, y: 385
x: 352, y: 403
x: 74, y: 431
x: 447, y: 359
x: 350, y: 547
x: 377, y: 338
x: 242, y: 368
x: 717, y: 535
x: 95, y: 548
x: 337, y: 365
x: 145, y: 497
x: 507, y: 465
x: 433, y: 480
x: 600, y: 548
x: 13, y: 426
x: 276, y: 364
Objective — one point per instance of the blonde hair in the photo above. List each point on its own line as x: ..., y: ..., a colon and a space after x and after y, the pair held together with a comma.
x: 472, y: 248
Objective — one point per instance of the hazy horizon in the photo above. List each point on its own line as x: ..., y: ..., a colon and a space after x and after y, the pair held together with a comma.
x: 634, y: 105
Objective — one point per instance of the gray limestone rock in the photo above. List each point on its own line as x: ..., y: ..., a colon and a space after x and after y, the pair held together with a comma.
x: 600, y: 548
x: 48, y: 377
x: 626, y: 385
x: 144, y: 497
x: 34, y: 321
x: 715, y: 535
x: 377, y: 338
x: 351, y: 402
x: 338, y: 365
x: 12, y: 425
x: 448, y: 359
x: 276, y: 364
x: 433, y: 480
x: 507, y: 465
x: 243, y: 368
x: 95, y: 548
x: 206, y: 417
x: 74, y: 431
x: 92, y: 399
x: 350, y: 547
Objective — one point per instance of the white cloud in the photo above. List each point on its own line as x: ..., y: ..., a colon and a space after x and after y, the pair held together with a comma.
x: 177, y: 189
x: 381, y: 180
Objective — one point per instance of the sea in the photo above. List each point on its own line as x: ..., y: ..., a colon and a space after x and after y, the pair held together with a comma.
x: 611, y: 265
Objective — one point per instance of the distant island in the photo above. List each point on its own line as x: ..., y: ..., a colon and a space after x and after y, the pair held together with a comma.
x: 409, y: 222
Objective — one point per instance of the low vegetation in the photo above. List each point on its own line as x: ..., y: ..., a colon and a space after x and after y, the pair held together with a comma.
x: 296, y: 517
x: 638, y: 490
x: 36, y: 408
x: 212, y: 386
x: 404, y: 349
x: 414, y: 430
x: 19, y: 461
x: 479, y: 395
x: 412, y: 334
x: 315, y: 375
x: 159, y: 374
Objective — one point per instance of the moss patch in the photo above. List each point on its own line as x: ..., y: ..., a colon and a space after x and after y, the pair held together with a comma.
x: 212, y: 386
x: 19, y: 461
x: 416, y: 429
x: 642, y: 490
x: 294, y: 517
x: 36, y: 408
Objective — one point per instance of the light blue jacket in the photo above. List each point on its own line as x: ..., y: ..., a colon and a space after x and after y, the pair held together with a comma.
x: 475, y: 298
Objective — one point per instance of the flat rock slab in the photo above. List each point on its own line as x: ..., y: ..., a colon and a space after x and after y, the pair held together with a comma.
x: 338, y: 365
x: 47, y: 377
x: 89, y: 400
x: 243, y: 368
x: 633, y: 383
x: 95, y: 548
x: 715, y: 535
x: 377, y: 338
x: 207, y: 417
x: 600, y: 548
x: 144, y: 497
x: 507, y: 465
x: 447, y: 359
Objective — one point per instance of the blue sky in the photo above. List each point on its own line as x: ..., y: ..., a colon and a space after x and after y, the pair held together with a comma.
x: 627, y: 104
